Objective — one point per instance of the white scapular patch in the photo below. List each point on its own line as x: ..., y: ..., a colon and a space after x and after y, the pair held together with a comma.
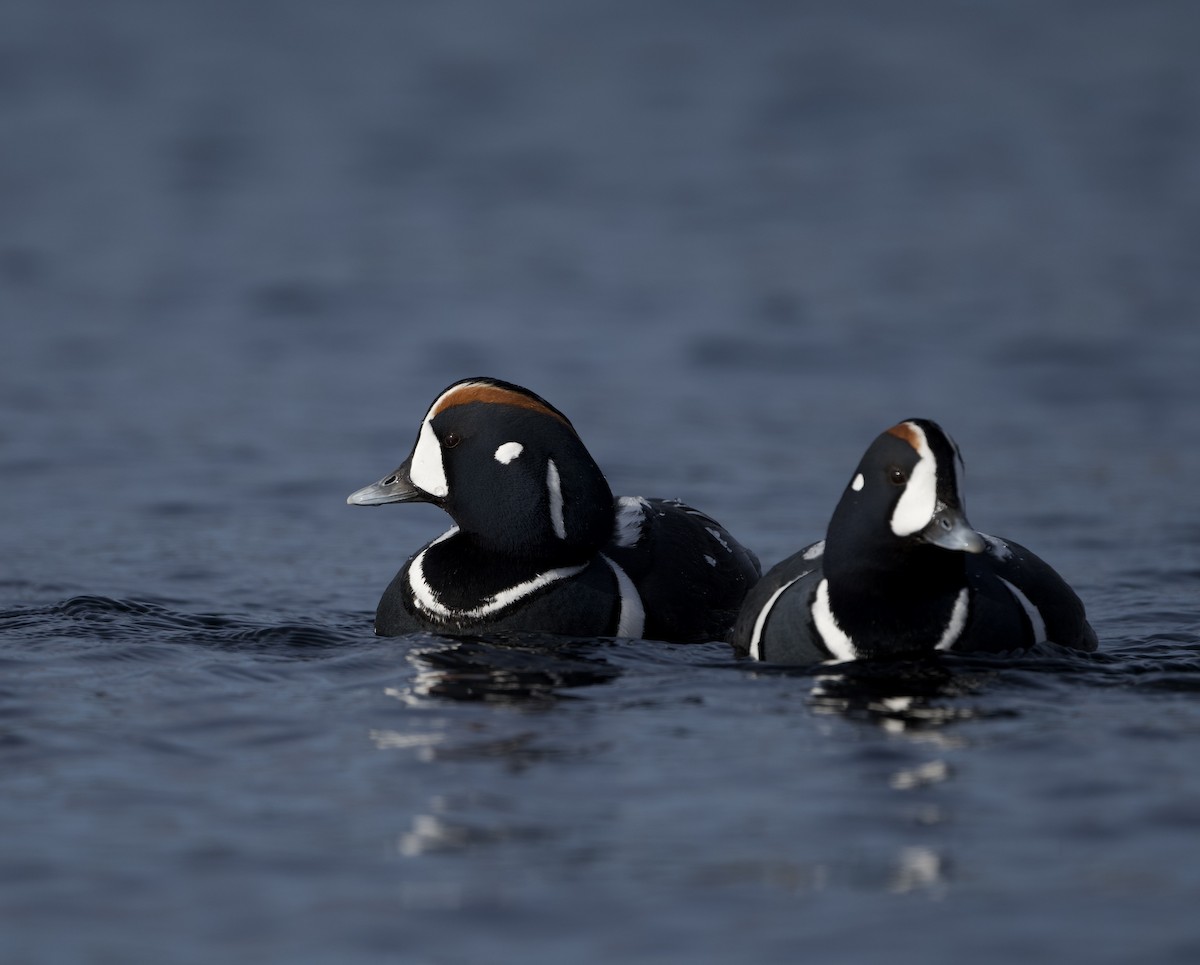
x: 816, y: 551
x: 858, y: 483
x: 918, y: 502
x: 554, y: 487
x: 426, y: 469
x: 716, y: 534
x: 709, y: 560
x: 508, y: 452
x: 833, y: 636
x: 958, y: 620
x: 760, y: 622
x: 1031, y: 611
x: 631, y: 514
x: 632, y: 620
x: 427, y: 599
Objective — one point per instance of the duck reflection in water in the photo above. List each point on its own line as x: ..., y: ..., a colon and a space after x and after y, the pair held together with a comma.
x: 508, y: 668
x: 917, y: 697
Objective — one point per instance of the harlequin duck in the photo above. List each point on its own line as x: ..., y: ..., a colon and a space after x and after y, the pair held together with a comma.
x: 901, y: 571
x: 539, y: 543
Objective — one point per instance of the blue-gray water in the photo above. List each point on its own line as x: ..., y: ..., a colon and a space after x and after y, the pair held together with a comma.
x: 243, y: 245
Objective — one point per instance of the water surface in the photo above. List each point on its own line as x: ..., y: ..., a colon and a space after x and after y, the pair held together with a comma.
x: 243, y: 246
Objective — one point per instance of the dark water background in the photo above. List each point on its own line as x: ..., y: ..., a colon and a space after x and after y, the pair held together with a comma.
x: 243, y: 245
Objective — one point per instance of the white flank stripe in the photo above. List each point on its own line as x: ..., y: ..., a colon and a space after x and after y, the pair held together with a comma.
x: 834, y: 637
x: 632, y: 620
x: 1035, y: 616
x: 760, y: 622
x: 958, y: 620
x: 428, y: 601
x: 919, y: 499
x: 556, y: 500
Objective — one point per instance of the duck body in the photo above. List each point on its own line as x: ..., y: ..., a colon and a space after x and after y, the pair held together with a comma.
x: 540, y: 544
x: 902, y: 572
x: 691, y: 572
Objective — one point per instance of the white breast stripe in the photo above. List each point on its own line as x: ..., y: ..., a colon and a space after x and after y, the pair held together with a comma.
x: 632, y: 620
x: 554, y: 486
x: 832, y: 635
x: 1034, y: 614
x: 421, y: 590
x: 760, y: 621
x: 958, y: 620
x: 427, y: 600
x: 919, y: 499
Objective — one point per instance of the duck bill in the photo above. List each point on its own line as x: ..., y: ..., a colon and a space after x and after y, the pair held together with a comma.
x: 394, y: 488
x: 950, y: 530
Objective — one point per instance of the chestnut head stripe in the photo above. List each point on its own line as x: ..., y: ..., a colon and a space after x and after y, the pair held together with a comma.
x: 469, y: 392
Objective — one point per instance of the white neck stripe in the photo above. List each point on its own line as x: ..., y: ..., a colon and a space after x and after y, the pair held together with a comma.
x: 554, y: 487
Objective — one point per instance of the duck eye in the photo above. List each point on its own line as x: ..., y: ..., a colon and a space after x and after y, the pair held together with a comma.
x: 897, y: 476
x: 451, y: 439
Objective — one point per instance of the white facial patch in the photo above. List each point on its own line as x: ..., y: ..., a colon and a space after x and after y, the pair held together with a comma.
x: 426, y: 469
x: 918, y: 502
x: 554, y: 488
x: 858, y: 483
x: 508, y: 452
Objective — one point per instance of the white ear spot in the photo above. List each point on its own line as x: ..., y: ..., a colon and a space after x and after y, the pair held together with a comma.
x: 918, y: 502
x: 554, y: 488
x: 508, y: 452
x: 858, y: 483
x: 426, y: 470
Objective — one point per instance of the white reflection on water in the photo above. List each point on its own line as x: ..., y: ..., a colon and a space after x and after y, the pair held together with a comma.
x: 429, y: 834
x: 919, y: 868
x: 394, y: 740
x: 932, y: 772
